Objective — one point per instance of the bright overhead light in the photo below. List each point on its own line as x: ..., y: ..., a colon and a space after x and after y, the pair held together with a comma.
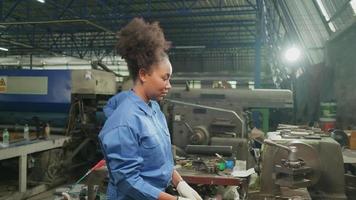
x: 41, y: 1
x: 3, y: 49
x: 292, y: 54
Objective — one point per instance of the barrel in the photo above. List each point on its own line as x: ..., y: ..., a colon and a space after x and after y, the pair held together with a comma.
x: 327, y: 123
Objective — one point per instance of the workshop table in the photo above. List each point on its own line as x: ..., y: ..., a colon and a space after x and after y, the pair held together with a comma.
x: 349, y: 156
x: 198, y: 177
x: 24, y: 148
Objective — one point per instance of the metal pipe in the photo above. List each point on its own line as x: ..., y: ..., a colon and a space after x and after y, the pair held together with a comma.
x: 209, y: 150
x: 104, y: 67
x: 243, y: 132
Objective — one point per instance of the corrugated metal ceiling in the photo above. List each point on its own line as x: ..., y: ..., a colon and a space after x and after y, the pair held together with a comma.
x: 87, y: 28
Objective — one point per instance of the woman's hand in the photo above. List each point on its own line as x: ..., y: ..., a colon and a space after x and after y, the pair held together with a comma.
x: 182, y: 198
x: 186, y: 191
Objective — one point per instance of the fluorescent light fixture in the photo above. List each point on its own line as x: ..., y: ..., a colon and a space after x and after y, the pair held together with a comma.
x: 41, y: 1
x: 3, y: 49
x: 292, y: 54
x: 326, y: 15
x: 353, y: 6
x: 190, y: 47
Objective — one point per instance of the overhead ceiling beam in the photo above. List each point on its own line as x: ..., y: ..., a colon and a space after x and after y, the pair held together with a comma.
x: 177, y: 14
x: 206, y: 25
x: 12, y: 8
x: 221, y: 45
x: 60, y: 22
x: 65, y: 9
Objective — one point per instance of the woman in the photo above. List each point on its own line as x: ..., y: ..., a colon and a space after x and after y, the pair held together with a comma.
x: 135, y: 138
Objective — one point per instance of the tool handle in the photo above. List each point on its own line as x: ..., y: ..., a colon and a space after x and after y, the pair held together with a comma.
x: 270, y: 142
x: 98, y: 165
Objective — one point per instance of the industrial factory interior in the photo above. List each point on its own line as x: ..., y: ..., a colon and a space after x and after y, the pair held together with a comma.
x: 177, y: 99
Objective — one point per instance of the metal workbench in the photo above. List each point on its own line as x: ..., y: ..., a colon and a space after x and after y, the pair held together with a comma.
x: 22, y: 149
x: 197, y: 177
x: 349, y: 156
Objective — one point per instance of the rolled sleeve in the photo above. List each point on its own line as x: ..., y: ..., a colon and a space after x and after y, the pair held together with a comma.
x: 121, y: 151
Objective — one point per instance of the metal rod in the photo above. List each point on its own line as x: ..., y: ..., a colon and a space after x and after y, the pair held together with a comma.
x: 270, y: 142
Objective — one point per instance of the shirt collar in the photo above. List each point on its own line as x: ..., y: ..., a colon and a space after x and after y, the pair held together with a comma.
x: 145, y: 107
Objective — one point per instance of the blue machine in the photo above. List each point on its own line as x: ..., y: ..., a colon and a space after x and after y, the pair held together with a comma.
x: 70, y: 101
x: 20, y: 102
x: 47, y: 94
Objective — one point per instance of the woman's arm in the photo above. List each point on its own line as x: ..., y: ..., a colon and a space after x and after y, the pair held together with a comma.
x: 166, y: 196
x: 122, y: 156
x: 176, y: 178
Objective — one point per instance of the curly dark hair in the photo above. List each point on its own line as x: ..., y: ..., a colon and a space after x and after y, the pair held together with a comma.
x: 141, y: 44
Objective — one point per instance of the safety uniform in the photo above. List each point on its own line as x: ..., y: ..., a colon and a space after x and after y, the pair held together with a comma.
x: 136, y: 145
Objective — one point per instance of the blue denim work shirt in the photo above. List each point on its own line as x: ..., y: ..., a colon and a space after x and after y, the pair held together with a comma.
x: 137, y: 148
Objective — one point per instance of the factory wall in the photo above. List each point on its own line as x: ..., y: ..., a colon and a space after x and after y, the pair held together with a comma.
x: 341, y: 57
x: 314, y: 86
x: 330, y: 81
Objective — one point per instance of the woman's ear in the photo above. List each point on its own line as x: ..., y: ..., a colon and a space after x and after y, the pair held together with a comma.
x: 142, y: 75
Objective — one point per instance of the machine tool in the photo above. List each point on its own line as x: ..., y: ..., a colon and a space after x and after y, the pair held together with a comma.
x: 69, y: 101
x: 295, y: 160
x: 268, y: 107
x: 200, y: 119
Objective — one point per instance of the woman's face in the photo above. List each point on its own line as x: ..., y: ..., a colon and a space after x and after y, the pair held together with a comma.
x: 156, y: 82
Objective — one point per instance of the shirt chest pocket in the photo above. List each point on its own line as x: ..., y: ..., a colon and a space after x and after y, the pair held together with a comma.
x: 151, y: 152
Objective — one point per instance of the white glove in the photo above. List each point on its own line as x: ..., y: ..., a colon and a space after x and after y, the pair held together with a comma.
x: 186, y: 191
x: 182, y: 198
